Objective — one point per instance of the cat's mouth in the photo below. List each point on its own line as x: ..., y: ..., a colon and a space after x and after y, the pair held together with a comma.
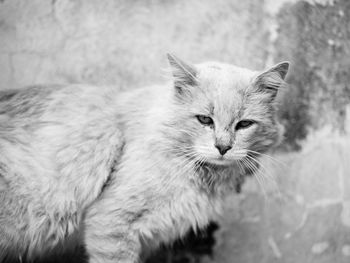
x: 224, y: 161
x: 220, y: 161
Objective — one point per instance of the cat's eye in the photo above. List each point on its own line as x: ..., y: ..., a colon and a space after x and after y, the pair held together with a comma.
x: 205, y: 120
x: 243, y: 124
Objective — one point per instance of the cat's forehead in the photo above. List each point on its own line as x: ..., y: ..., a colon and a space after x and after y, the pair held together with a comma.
x: 225, y: 86
x: 218, y: 76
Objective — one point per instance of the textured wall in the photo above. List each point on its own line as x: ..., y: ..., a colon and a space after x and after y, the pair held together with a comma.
x: 122, y: 42
x: 302, y: 216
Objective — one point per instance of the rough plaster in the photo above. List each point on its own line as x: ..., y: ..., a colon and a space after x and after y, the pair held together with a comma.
x: 120, y: 42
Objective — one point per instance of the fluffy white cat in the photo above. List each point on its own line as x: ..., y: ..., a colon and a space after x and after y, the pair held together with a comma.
x: 122, y: 172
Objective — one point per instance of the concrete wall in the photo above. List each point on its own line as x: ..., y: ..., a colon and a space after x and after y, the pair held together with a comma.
x: 303, y: 215
x: 122, y: 42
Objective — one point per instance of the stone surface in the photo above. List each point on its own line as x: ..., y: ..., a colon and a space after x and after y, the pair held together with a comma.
x: 320, y: 248
x: 122, y: 42
x: 315, y: 38
x: 346, y: 250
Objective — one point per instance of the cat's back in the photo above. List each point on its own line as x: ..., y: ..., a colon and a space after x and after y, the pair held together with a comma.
x: 39, y: 101
x: 42, y: 124
x: 41, y: 112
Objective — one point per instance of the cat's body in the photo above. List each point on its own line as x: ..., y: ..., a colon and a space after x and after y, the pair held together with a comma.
x: 57, y: 147
x: 123, y: 172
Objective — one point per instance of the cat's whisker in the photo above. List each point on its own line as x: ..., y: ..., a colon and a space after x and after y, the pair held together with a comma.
x: 194, y: 159
x: 249, y: 165
x: 201, y: 160
x: 265, y: 174
x: 256, y: 176
x: 262, y: 185
x: 255, y: 170
x: 268, y: 175
x: 270, y: 157
x: 197, y: 165
x: 189, y: 163
x: 240, y: 167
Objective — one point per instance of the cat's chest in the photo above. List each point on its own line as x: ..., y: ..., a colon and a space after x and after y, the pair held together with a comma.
x: 168, y: 194
x: 176, y: 212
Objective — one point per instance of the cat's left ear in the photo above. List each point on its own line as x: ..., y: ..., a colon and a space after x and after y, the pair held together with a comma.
x: 271, y: 80
x: 185, y: 75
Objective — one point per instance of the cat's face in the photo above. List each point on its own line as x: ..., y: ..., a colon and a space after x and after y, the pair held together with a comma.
x: 225, y: 113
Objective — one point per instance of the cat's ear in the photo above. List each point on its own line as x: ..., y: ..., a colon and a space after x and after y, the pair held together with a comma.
x: 185, y: 75
x: 271, y: 80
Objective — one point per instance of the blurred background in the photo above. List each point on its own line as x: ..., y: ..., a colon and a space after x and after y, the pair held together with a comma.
x: 300, y: 211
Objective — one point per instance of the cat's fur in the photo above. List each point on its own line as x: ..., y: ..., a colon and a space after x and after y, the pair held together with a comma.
x: 123, y: 172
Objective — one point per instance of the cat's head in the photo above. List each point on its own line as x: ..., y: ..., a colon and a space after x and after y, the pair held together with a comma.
x: 224, y: 113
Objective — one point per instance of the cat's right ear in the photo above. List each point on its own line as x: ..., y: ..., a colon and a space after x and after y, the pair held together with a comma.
x: 272, y: 79
x: 185, y: 75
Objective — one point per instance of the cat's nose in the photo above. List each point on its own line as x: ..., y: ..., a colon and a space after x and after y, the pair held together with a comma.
x: 223, y: 148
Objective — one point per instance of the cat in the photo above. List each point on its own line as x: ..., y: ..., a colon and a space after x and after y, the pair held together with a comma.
x: 123, y: 172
